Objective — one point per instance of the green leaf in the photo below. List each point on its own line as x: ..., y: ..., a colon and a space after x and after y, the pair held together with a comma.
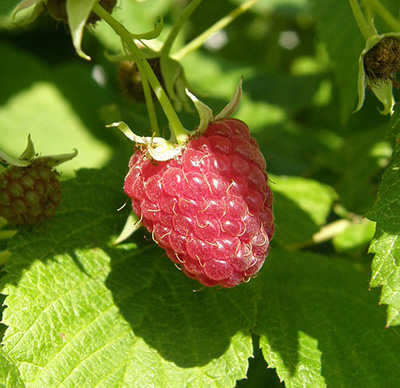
x: 360, y: 159
x: 344, y: 45
x: 45, y: 102
x: 355, y: 238
x: 301, y: 207
x: 84, y: 312
x: 9, y: 375
x: 320, y: 327
x: 386, y: 242
x: 6, y: 9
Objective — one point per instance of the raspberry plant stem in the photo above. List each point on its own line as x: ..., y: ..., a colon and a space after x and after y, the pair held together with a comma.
x: 366, y: 28
x: 182, y: 18
x: 325, y: 234
x: 385, y: 14
x: 218, y: 26
x: 149, y: 102
x: 147, y: 73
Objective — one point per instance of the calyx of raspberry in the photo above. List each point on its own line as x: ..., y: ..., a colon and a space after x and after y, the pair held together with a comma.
x: 378, y: 64
x: 160, y: 149
x: 29, y: 156
x: 30, y: 189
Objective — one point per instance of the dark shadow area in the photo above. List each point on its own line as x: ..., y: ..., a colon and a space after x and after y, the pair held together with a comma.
x: 293, y: 225
x: 186, y: 327
x: 258, y: 375
x: 18, y: 72
x: 329, y: 301
x: 291, y: 93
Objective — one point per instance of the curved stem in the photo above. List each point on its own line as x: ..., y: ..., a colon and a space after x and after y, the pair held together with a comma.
x: 366, y: 29
x: 149, y: 102
x: 182, y: 18
x: 222, y: 23
x: 325, y: 234
x: 385, y: 14
x: 146, y: 72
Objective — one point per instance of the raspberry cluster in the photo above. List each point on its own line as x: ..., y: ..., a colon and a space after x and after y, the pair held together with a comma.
x: 210, y: 208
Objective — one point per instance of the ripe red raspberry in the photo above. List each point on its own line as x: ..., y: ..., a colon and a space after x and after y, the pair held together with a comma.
x: 211, y: 207
x: 29, y: 195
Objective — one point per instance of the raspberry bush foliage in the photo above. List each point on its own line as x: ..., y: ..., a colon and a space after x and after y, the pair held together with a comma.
x: 84, y: 307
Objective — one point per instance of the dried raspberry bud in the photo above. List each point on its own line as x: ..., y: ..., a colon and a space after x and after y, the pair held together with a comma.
x: 382, y: 62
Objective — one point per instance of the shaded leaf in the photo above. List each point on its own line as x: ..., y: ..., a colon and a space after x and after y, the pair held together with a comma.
x: 360, y: 160
x: 320, y: 326
x: 344, y: 45
x: 355, y: 238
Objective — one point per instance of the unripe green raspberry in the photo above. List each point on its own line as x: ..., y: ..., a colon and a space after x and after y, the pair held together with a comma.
x: 30, y: 190
x: 29, y: 195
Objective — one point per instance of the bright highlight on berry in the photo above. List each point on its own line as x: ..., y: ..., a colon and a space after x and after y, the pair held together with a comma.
x: 210, y: 208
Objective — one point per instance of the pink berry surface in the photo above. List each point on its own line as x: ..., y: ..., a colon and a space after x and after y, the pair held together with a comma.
x: 210, y: 208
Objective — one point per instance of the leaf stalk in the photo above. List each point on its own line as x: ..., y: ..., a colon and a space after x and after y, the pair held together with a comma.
x: 146, y: 72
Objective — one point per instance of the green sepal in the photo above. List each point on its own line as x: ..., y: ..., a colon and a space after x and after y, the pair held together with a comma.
x: 55, y: 160
x: 10, y: 160
x: 157, y: 148
x: 32, y: 9
x: 171, y: 71
x: 176, y: 82
x: 206, y: 114
x: 132, y: 224
x: 161, y: 149
x: 153, y: 34
x: 29, y: 151
x: 29, y: 156
x: 78, y: 12
x: 204, y: 111
x: 233, y: 104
